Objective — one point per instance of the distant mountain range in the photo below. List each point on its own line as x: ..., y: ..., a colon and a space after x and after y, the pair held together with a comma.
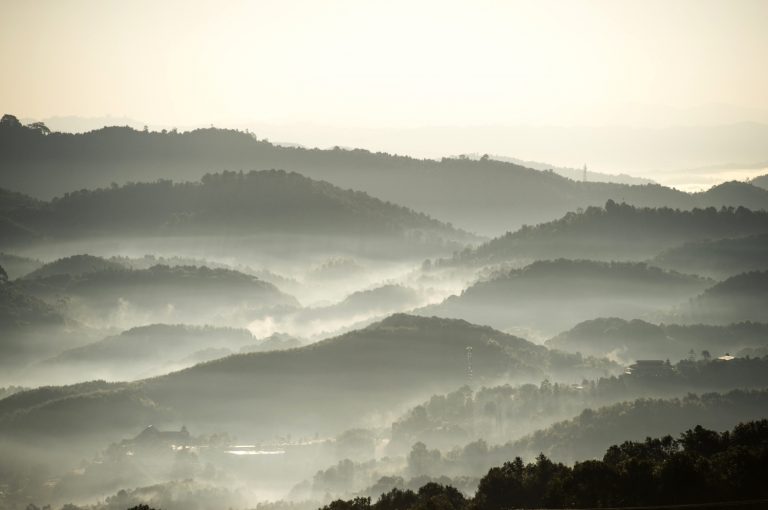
x: 575, y: 174
x: 484, y: 196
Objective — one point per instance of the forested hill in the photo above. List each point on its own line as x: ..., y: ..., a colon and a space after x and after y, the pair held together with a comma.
x: 550, y: 296
x: 375, y: 369
x: 74, y: 265
x: 27, y: 325
x: 232, y: 203
x: 160, y: 293
x: 483, y: 196
x: 615, y: 232
x: 717, y: 257
x: 743, y: 297
x: 592, y: 431
x: 344, y: 380
x: 637, y: 339
x: 701, y: 469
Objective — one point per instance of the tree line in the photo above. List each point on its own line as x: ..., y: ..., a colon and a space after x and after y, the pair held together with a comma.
x: 701, y: 466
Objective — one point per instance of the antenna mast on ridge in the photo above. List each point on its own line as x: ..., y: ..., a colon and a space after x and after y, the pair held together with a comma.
x: 469, y: 365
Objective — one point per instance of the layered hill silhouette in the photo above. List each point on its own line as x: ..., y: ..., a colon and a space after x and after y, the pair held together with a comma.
x: 17, y: 266
x: 590, y: 433
x: 345, y: 380
x: 145, y: 351
x: 186, y: 294
x: 636, y: 339
x: 571, y: 173
x: 718, y: 258
x: 229, y: 203
x: 75, y: 265
x: 614, y: 232
x: 483, y: 196
x: 31, y: 329
x: 550, y: 296
x: 734, y: 193
x: 743, y: 297
x: 93, y: 410
x: 356, y: 310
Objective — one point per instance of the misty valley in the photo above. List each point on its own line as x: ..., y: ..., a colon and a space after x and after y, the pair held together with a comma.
x: 203, y: 319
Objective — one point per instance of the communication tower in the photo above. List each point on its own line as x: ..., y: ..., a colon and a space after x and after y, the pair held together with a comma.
x: 469, y: 365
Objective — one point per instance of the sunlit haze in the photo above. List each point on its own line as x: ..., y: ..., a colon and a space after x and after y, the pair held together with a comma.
x: 383, y: 255
x: 365, y: 73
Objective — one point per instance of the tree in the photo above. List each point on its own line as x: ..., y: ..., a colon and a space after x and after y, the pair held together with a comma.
x: 501, y: 487
x: 39, y: 126
x: 434, y: 496
x: 10, y: 121
x: 353, y: 504
x: 422, y: 461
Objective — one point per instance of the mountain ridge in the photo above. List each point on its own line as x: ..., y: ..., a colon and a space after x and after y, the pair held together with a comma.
x: 493, y: 196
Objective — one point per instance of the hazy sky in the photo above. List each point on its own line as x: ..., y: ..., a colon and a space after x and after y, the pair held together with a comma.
x: 386, y: 63
x: 539, y: 80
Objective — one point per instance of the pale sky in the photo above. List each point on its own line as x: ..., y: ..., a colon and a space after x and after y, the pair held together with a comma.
x: 564, y: 82
x: 386, y: 63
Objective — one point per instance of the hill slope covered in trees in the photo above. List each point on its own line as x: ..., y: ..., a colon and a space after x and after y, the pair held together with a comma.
x: 346, y: 379
x: 76, y: 265
x: 700, y: 468
x: 637, y: 339
x: 31, y: 329
x: 145, y: 351
x: 550, y: 296
x: 185, y: 294
x: 229, y: 203
x: 614, y: 232
x: 718, y: 258
x: 743, y: 297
